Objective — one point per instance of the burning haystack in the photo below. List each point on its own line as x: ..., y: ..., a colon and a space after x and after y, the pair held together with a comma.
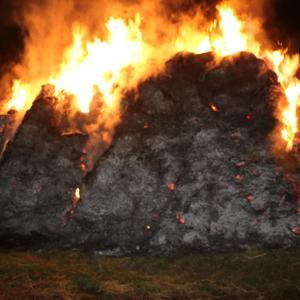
x: 191, y: 166
x: 173, y: 126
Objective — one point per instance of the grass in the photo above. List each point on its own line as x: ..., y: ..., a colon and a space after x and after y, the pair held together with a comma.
x: 271, y: 274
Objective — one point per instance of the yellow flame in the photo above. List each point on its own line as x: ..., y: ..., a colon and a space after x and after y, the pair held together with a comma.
x: 91, y: 67
x: 289, y: 114
x: 286, y: 67
x: 97, y: 65
x: 232, y: 40
x: 77, y: 193
x: 19, y: 96
x: 107, y: 68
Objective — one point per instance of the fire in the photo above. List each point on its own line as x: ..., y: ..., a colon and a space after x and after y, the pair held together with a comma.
x: 77, y: 193
x: 214, y: 108
x: 19, y: 96
x: 98, y: 66
x: 286, y: 68
x: 289, y: 115
x: 105, y: 68
x: 249, y: 117
x: 180, y: 217
x: 250, y: 198
x: 238, y: 177
x: 232, y: 41
x: 172, y: 186
x: 74, y: 203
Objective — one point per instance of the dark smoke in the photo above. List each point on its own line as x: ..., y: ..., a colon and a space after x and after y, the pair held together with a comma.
x: 11, y: 35
x: 282, y: 23
x: 208, y: 7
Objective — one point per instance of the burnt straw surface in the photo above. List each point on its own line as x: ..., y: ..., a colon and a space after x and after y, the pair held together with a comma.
x: 190, y: 167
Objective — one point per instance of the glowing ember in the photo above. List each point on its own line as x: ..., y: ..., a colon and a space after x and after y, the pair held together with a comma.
x: 180, y: 217
x: 83, y: 167
x: 240, y: 164
x: 213, y: 107
x: 295, y: 230
x: 250, y: 198
x: 249, y: 117
x: 75, y: 201
x: 171, y: 186
x: 238, y: 177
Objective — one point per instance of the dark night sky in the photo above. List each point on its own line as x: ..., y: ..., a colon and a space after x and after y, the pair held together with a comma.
x: 282, y: 23
x: 11, y: 37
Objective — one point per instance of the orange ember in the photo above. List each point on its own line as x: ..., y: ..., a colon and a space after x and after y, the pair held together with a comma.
x: 180, y: 217
x: 106, y: 64
x: 250, y: 198
x: 238, y: 177
x: 76, y: 198
x: 172, y: 186
x: 249, y: 117
x: 295, y: 230
x: 83, y: 167
x: 213, y: 107
x: 240, y: 164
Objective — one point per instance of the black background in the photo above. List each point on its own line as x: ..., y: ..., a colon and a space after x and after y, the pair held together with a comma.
x: 11, y: 35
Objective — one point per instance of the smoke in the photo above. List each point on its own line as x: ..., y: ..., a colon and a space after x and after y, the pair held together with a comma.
x: 281, y: 23
x: 11, y: 45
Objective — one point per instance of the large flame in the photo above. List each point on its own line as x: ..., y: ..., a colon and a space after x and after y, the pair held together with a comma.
x: 98, y: 66
x: 111, y: 66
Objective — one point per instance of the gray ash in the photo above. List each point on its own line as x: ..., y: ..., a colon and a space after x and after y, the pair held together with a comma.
x: 190, y: 166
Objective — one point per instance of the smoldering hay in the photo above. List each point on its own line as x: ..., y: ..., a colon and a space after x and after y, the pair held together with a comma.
x: 122, y: 152
x: 191, y: 166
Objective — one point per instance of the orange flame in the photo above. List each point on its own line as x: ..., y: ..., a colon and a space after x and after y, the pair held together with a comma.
x: 106, y: 68
x: 232, y: 40
x: 19, y: 96
x: 98, y: 66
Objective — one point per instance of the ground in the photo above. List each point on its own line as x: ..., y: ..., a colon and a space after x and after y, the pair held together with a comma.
x: 267, y: 274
